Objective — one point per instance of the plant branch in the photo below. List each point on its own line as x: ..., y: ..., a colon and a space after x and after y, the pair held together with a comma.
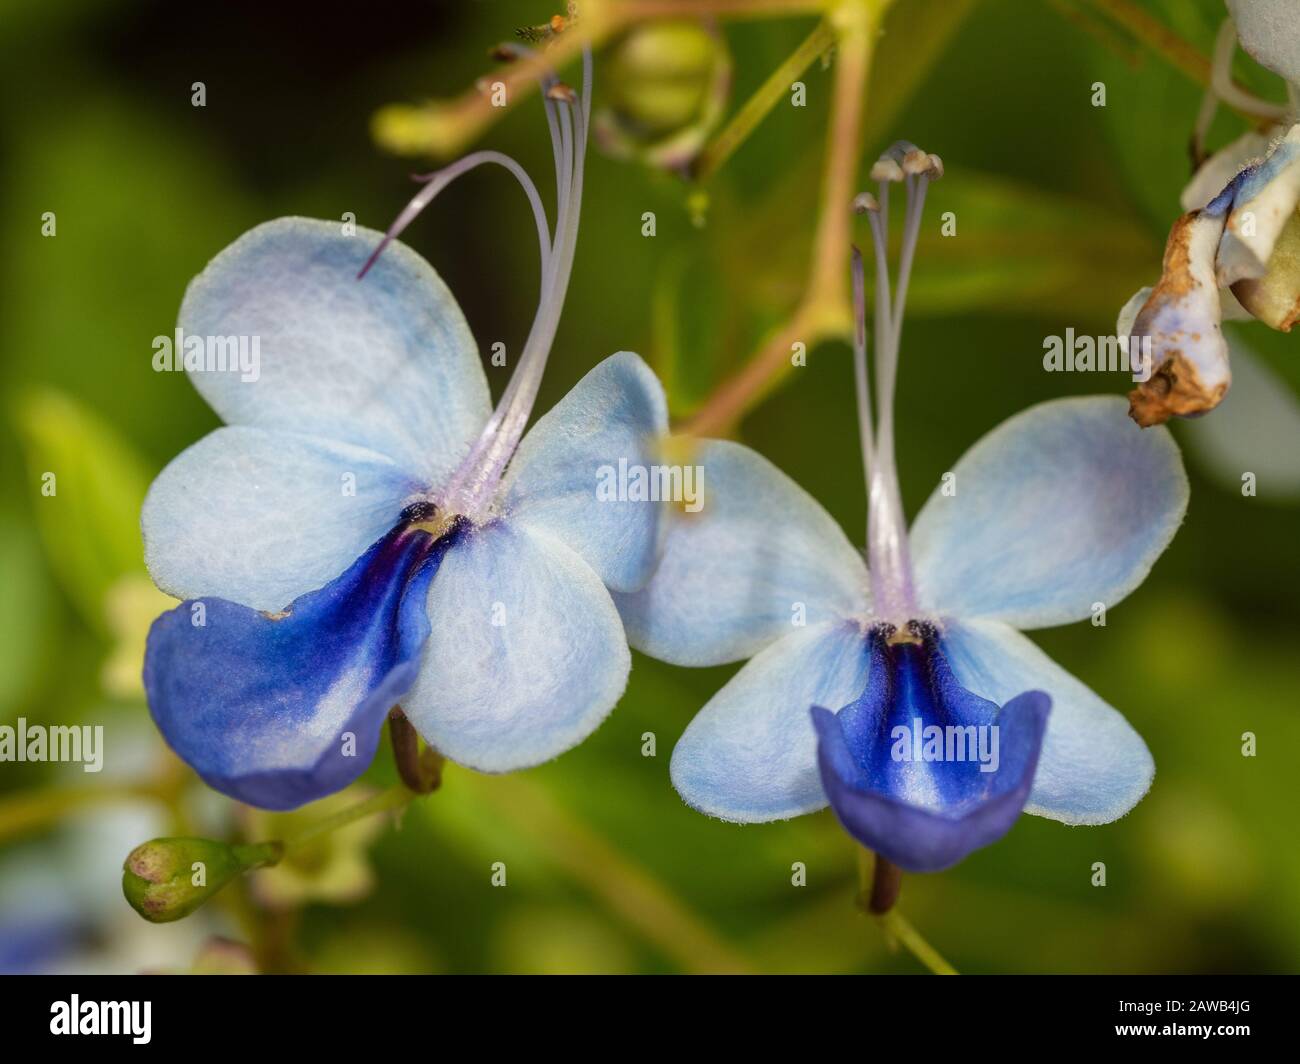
x: 756, y: 108
x: 1174, y: 49
x: 896, y: 926
x: 395, y: 797
x: 444, y: 127
x: 824, y: 310
x: 878, y: 881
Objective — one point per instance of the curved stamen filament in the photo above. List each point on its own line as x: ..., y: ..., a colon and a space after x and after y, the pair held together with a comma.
x: 860, y: 378
x: 435, y: 182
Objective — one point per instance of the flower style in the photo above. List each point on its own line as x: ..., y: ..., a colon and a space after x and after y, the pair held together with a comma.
x: 1062, y: 507
x: 1244, y: 238
x: 367, y: 528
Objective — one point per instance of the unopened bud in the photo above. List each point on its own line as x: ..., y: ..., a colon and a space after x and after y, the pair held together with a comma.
x: 167, y: 879
x: 667, y: 84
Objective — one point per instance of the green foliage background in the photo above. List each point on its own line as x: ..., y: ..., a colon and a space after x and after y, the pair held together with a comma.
x: 1062, y: 208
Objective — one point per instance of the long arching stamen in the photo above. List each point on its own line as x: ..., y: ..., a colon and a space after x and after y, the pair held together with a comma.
x: 886, y: 531
x: 471, y: 488
x: 880, y: 310
x: 438, y: 180
x: 860, y: 379
x: 887, y: 548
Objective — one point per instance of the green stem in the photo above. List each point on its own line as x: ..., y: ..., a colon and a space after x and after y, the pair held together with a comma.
x: 420, y: 770
x: 756, y: 108
x: 824, y: 310
x: 1181, y: 54
x: 394, y: 798
x: 895, y: 927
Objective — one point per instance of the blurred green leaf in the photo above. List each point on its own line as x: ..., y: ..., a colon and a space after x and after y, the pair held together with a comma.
x: 87, y: 486
x: 25, y: 613
x: 1023, y: 249
x: 914, y: 37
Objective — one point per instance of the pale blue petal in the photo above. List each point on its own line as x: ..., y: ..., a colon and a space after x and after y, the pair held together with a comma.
x: 1064, y: 505
x: 1225, y: 164
x: 385, y: 363
x: 1270, y: 31
x: 526, y: 657
x: 615, y: 417
x: 760, y: 557
x: 750, y: 754
x: 1093, y: 767
x: 260, y: 518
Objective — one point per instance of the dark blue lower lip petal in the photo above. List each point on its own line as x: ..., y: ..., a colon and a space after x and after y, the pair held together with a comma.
x: 277, y: 711
x: 925, y: 815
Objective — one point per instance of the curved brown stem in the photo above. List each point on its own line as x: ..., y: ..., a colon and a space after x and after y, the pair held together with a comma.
x: 421, y: 771
x: 886, y: 884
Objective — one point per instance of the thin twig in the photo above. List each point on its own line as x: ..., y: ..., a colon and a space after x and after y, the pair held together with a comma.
x: 896, y: 924
x: 445, y: 127
x: 756, y: 108
x: 825, y: 310
x: 1176, y: 50
x: 393, y: 798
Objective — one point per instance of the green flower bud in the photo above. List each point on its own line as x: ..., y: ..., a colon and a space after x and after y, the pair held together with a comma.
x: 167, y: 879
x: 333, y: 867
x: 1274, y: 298
x: 667, y: 85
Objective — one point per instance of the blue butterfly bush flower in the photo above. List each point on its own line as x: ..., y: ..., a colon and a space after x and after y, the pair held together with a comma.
x: 912, y: 662
x: 367, y: 528
x: 1238, y: 244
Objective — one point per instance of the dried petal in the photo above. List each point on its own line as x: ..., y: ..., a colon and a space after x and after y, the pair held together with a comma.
x: 1189, y: 357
